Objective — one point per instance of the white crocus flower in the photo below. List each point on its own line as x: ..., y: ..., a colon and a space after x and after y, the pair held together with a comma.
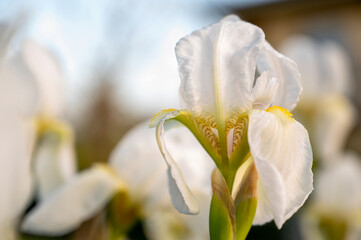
x: 335, y: 209
x: 139, y: 163
x: 227, y: 110
x: 324, y: 106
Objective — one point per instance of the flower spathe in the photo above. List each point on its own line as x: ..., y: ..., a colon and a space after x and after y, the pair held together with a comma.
x: 236, y: 117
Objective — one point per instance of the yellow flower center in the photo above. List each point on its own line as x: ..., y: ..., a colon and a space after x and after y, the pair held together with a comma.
x: 281, y: 112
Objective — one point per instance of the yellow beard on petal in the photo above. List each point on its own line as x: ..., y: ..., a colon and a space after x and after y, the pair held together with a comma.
x: 281, y: 112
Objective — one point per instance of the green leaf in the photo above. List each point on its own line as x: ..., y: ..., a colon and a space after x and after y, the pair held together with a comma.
x: 246, y: 202
x: 222, y: 218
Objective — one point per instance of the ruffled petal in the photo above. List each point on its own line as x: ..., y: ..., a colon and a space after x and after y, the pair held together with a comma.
x: 264, y: 91
x: 217, y: 66
x: 182, y: 198
x: 47, y: 73
x: 282, y: 153
x: 76, y: 201
x: 286, y: 71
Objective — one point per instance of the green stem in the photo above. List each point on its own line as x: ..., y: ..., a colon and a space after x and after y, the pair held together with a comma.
x: 229, y: 175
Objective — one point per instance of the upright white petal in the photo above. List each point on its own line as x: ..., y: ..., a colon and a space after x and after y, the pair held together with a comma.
x: 46, y: 71
x: 217, y: 66
x: 282, y: 153
x: 54, y: 163
x: 264, y: 91
x: 74, y: 202
x: 18, y: 93
x: 286, y: 71
x: 325, y: 66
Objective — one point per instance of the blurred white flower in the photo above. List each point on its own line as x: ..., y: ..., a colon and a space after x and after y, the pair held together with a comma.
x: 53, y: 161
x: 139, y: 163
x: 327, y: 80
x: 73, y: 202
x: 227, y: 109
x: 72, y: 198
x: 336, y: 205
x: 34, y: 137
x: 17, y: 104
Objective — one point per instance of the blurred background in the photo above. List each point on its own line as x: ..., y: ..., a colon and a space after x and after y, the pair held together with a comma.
x: 118, y: 66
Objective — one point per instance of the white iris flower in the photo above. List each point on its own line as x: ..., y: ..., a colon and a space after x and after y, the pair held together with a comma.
x: 241, y: 120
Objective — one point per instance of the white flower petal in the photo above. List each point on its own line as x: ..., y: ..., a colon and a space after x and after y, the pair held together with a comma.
x: 264, y: 91
x: 54, y: 163
x: 46, y: 71
x: 305, y: 52
x: 332, y: 122
x: 282, y: 153
x: 182, y: 198
x: 325, y: 66
x: 149, y: 186
x: 139, y: 153
x: 16, y: 183
x: 76, y: 201
x: 217, y: 66
x: 271, y: 202
x: 337, y: 186
x: 286, y: 71
x: 18, y: 93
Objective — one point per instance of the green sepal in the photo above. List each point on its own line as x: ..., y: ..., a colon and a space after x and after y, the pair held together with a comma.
x: 220, y: 226
x: 222, y: 218
x: 246, y: 201
x: 195, y: 125
x: 245, y: 213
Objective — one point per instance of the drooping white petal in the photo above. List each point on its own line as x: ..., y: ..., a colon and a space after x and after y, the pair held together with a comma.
x: 286, y: 71
x: 150, y: 184
x: 282, y: 153
x: 54, y: 163
x: 271, y: 192
x: 264, y: 91
x: 217, y: 66
x: 74, y: 202
x: 47, y: 73
x: 182, y: 198
x: 16, y: 185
